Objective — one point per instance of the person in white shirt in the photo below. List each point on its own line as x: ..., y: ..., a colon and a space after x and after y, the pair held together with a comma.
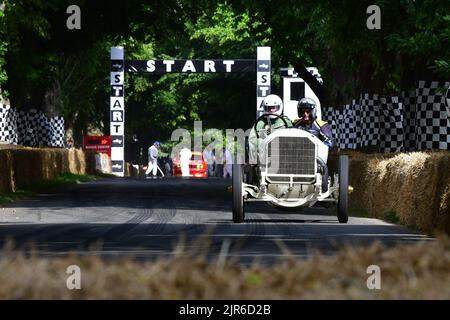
x: 228, y: 166
x: 153, y: 159
x: 209, y: 158
x: 185, y: 157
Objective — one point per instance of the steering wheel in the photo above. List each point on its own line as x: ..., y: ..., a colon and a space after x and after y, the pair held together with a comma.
x: 265, y: 116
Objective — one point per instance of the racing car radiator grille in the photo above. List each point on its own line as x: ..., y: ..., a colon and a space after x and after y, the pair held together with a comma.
x: 291, y: 156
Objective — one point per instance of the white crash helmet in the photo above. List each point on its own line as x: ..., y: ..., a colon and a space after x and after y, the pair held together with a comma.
x: 272, y: 105
x: 307, y: 104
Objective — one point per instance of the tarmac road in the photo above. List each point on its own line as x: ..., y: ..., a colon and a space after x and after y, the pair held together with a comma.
x: 148, y: 218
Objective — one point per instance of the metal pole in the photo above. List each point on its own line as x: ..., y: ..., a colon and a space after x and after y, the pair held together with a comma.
x: 117, y: 111
x: 263, y: 67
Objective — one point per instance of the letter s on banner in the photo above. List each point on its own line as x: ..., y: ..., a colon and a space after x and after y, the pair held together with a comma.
x: 151, y: 66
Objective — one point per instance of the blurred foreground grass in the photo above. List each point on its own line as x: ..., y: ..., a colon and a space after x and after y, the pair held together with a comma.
x: 418, y: 271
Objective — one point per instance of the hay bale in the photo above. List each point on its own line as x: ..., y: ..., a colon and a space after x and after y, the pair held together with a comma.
x: 444, y: 211
x: 359, y: 175
x: 50, y: 164
x: 27, y: 165
x: 425, y: 177
x: 6, y: 173
x: 395, y: 182
x: 90, y: 162
x: 357, y: 179
x: 22, y: 167
x: 413, y: 185
x: 77, y: 161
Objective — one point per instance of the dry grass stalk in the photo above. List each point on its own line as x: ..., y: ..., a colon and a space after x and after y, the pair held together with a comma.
x: 407, y: 272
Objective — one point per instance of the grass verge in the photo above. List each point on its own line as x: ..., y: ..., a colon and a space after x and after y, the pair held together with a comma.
x: 391, y: 217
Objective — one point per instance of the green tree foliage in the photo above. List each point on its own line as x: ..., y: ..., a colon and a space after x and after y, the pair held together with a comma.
x: 332, y: 35
x: 3, y: 47
x: 45, y: 65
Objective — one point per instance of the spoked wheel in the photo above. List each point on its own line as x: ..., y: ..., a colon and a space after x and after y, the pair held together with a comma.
x: 342, y: 207
x: 238, y: 199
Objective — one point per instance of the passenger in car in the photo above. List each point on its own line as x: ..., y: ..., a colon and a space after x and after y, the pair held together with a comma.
x: 307, y: 113
x: 308, y: 120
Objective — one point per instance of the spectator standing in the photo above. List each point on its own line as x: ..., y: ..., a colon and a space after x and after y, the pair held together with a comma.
x: 185, y: 157
x: 228, y: 166
x: 153, y: 159
x: 209, y: 158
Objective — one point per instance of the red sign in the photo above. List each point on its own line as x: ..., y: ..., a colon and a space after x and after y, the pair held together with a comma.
x: 97, y: 143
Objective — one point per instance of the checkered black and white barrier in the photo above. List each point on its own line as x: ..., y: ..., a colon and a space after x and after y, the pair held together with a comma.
x: 8, y: 124
x: 391, y: 125
x: 31, y: 128
x: 315, y: 72
x: 409, y: 120
x: 433, y: 117
x: 416, y: 120
x: 370, y: 120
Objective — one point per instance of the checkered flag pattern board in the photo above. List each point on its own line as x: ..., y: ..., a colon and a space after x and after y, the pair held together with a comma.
x: 415, y: 120
x: 342, y: 122
x: 30, y: 128
x: 57, y: 133
x: 43, y: 129
x: 433, y: 117
x: 348, y: 140
x: 4, y: 131
x: 315, y: 72
x: 357, y: 120
x: 8, y: 125
x: 328, y: 115
x: 370, y: 122
x: 447, y: 97
x: 24, y: 129
x: 288, y: 72
x: 409, y: 120
x: 391, y: 125
x: 340, y: 139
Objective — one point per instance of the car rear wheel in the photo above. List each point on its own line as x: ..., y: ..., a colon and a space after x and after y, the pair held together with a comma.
x: 342, y: 207
x: 238, y: 199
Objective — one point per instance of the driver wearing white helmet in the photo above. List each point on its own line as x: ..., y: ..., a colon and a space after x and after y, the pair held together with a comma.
x: 271, y: 120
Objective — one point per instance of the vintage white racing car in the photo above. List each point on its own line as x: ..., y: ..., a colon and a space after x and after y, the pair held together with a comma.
x: 290, y: 175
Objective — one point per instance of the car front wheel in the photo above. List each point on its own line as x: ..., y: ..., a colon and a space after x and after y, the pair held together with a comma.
x: 238, y: 199
x: 342, y: 207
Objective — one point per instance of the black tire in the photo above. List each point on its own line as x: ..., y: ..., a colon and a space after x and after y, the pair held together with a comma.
x: 342, y: 207
x: 238, y: 199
